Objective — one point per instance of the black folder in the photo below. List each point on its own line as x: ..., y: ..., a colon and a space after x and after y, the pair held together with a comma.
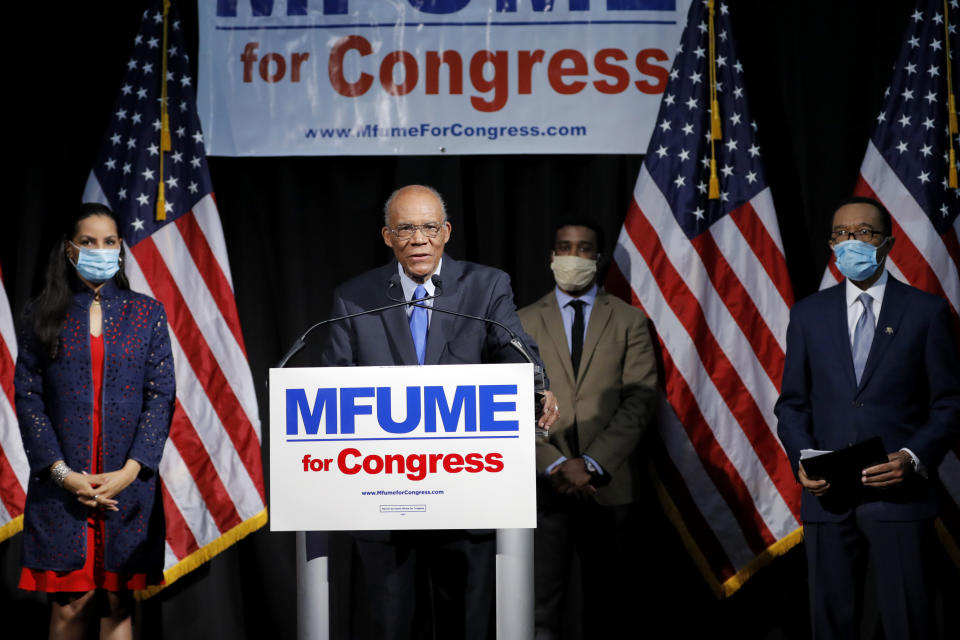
x: 843, y: 469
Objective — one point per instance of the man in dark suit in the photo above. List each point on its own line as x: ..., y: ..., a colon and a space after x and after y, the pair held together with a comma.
x: 598, y: 352
x: 459, y: 566
x: 870, y: 357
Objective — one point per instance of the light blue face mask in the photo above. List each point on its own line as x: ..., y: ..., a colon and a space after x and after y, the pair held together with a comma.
x: 97, y: 265
x: 857, y: 260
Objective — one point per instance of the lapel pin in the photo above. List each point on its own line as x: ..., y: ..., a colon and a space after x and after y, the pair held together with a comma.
x: 888, y: 331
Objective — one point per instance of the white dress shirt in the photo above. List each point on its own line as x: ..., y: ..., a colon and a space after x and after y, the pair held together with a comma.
x: 409, y: 286
x: 855, y: 310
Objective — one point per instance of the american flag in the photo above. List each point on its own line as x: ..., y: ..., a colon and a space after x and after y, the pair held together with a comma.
x: 711, y: 275
x: 906, y: 167
x: 14, y: 468
x: 211, y: 472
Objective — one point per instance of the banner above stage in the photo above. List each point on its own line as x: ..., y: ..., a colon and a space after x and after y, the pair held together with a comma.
x: 405, y: 77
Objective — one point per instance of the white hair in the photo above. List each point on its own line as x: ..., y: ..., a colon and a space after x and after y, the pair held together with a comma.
x: 389, y: 202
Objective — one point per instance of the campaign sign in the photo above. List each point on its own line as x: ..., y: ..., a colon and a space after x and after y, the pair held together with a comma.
x: 370, y: 77
x: 429, y: 447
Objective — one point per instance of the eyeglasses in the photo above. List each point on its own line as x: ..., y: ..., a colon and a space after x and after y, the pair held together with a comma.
x: 863, y: 234
x: 407, y: 231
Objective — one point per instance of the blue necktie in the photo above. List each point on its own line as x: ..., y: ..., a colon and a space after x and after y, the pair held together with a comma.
x: 863, y: 335
x: 418, y: 325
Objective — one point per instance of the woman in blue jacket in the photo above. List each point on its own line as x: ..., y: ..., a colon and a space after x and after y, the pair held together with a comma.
x: 94, y: 395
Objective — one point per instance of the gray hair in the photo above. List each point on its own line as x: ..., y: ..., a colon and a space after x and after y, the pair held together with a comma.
x: 389, y: 202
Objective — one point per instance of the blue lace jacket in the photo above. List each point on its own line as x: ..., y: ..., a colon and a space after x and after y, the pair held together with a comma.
x: 54, y: 400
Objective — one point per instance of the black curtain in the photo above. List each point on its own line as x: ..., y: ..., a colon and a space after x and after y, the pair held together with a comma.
x: 296, y: 226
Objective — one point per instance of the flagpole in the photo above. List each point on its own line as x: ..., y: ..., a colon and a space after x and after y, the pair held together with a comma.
x: 951, y: 100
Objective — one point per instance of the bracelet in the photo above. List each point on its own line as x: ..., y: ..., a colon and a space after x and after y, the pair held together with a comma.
x: 59, y: 473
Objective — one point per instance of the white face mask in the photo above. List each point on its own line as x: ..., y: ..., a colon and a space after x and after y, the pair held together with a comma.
x: 573, y: 273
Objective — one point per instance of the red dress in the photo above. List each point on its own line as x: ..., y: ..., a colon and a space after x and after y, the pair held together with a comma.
x: 92, y: 575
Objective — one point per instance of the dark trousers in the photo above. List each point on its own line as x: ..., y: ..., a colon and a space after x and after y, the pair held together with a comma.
x: 608, y: 541
x: 424, y: 584
x: 900, y: 552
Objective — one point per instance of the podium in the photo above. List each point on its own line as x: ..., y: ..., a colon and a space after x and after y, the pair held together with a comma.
x: 393, y: 448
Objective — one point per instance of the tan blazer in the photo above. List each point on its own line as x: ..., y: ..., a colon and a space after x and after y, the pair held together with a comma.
x: 612, y: 400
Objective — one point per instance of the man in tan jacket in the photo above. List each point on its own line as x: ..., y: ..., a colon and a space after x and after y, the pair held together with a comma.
x: 598, y: 353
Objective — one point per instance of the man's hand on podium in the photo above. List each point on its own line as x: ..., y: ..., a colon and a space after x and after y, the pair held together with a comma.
x: 551, y: 411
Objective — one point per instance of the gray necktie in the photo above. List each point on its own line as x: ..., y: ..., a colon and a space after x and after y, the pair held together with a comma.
x: 863, y: 335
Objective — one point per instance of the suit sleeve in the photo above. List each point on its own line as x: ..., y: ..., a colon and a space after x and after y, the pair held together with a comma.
x: 159, y: 389
x: 942, y: 430
x: 638, y: 398
x: 340, y: 349
x: 546, y: 451
x: 502, y: 309
x: 39, y: 439
x: 794, y: 415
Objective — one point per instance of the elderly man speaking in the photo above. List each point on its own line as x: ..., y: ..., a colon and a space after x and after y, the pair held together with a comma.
x: 452, y: 572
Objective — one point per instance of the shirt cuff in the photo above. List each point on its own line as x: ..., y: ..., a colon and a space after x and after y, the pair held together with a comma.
x: 917, y: 466
x: 553, y: 465
x: 594, y: 463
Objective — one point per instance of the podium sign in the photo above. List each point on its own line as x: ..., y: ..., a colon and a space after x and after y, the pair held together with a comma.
x: 428, y: 447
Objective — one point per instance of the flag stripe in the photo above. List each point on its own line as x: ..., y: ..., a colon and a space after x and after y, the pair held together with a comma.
x: 710, y: 446
x: 769, y: 253
x: 952, y: 245
x: 14, y: 469
x: 202, y: 308
x: 212, y: 274
x: 222, y: 397
x: 724, y: 473
x: 741, y: 307
x: 6, y: 365
x: 225, y: 459
x: 187, y: 496
x: 704, y: 312
x: 179, y: 537
x: 755, y: 280
x: 737, y: 396
x: 949, y: 472
x: 949, y: 515
x: 694, y: 522
x: 912, y: 264
x: 208, y: 483
x: 208, y: 219
x: 926, y: 245
x: 11, y: 491
x: 201, y: 414
x: 702, y: 490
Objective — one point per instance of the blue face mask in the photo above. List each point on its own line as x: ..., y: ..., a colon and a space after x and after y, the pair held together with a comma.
x: 857, y: 260
x: 97, y: 265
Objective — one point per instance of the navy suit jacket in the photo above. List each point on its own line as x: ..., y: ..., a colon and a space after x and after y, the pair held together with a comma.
x: 384, y: 339
x: 909, y: 393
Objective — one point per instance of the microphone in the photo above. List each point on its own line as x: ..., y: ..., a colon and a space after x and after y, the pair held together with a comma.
x: 539, y: 383
x: 394, y: 281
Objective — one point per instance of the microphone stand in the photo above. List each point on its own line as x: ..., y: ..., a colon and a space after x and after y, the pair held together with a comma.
x: 300, y: 342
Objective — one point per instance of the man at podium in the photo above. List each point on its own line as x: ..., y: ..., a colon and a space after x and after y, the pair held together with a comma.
x: 395, y: 574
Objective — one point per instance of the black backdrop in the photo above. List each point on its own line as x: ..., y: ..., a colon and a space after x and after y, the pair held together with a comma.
x: 294, y: 227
